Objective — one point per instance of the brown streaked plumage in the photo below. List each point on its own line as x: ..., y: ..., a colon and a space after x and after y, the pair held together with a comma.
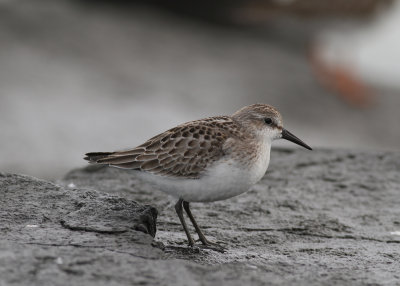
x: 205, y: 160
x: 183, y: 151
x: 187, y: 150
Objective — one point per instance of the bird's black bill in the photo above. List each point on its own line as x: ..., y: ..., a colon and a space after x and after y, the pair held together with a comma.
x: 289, y: 136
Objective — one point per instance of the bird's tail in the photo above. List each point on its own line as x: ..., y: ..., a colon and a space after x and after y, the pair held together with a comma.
x: 94, y: 157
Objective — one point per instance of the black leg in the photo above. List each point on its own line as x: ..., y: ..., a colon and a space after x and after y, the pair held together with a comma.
x: 202, y: 238
x: 179, y: 211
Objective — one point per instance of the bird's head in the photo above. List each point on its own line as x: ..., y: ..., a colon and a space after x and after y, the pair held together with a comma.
x: 265, y: 122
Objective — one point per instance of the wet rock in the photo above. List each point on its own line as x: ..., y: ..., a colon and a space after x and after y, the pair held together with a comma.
x: 323, y: 217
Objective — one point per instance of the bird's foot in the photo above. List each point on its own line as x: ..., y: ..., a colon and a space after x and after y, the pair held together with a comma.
x: 191, y: 243
x: 214, y: 247
x: 206, y: 244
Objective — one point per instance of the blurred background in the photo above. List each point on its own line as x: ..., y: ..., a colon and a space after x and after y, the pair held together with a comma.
x: 79, y: 76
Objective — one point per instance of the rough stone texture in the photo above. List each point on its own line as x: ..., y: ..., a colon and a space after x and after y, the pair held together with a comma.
x: 327, y: 217
x: 52, y: 235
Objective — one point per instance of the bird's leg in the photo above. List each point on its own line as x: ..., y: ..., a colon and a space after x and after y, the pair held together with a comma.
x: 179, y: 211
x: 202, y: 238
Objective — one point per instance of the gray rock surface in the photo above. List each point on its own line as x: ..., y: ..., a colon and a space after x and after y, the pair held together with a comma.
x: 327, y: 217
x: 51, y: 235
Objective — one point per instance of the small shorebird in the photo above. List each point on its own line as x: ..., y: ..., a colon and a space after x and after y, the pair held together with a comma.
x: 205, y: 160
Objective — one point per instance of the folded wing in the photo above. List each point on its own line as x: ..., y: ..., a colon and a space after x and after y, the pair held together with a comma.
x: 183, y: 151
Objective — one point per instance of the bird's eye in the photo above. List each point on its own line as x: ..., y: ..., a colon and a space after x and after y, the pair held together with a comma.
x: 268, y: 121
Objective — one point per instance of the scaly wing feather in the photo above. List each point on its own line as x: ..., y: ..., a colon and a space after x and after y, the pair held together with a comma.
x: 183, y: 151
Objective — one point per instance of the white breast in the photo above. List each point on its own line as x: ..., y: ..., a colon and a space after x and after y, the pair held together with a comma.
x: 225, y: 179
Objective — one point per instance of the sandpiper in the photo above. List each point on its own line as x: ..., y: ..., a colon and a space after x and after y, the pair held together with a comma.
x: 205, y: 160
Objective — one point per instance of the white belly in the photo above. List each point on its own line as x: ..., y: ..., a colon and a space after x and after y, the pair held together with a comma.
x: 222, y: 181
